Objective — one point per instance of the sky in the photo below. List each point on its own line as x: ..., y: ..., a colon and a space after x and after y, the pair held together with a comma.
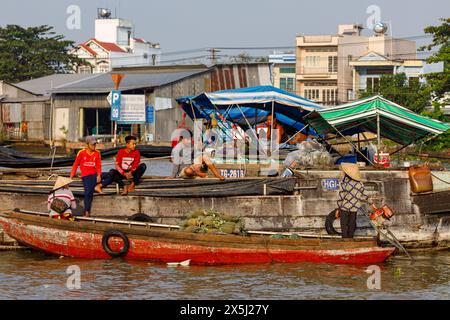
x: 189, y: 24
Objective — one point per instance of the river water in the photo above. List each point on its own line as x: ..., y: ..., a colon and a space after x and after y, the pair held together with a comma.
x: 34, y: 275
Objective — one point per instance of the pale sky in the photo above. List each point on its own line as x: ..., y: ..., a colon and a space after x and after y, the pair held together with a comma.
x: 189, y: 24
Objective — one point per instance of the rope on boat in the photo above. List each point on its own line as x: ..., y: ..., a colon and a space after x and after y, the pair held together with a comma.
x: 439, y: 178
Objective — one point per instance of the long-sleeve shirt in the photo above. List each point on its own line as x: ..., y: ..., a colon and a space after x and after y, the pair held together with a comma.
x: 351, y: 194
x: 64, y: 194
x: 89, y: 163
x: 127, y: 161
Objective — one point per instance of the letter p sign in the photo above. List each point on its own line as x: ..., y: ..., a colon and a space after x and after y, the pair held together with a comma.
x: 115, y: 105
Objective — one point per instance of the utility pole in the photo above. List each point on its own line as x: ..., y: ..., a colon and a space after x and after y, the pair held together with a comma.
x: 213, y: 55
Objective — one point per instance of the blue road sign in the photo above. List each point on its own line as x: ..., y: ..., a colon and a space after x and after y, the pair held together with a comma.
x: 115, y: 105
x: 150, y: 114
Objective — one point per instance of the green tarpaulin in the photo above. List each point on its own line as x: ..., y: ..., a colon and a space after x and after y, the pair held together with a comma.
x: 396, y: 122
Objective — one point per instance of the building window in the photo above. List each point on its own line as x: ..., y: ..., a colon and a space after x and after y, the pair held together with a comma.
x: 287, y: 84
x: 325, y: 49
x: 312, y: 94
x: 350, y: 95
x: 332, y: 64
x: 84, y: 69
x: 372, y: 83
x: 287, y: 69
x: 103, y: 68
x: 312, y: 61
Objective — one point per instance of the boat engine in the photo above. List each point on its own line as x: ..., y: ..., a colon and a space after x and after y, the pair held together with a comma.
x: 380, y: 215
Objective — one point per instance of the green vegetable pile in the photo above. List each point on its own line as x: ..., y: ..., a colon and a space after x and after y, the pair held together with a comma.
x: 214, y: 222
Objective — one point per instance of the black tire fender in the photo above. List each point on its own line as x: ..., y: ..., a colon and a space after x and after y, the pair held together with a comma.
x: 141, y: 217
x: 115, y: 233
x: 329, y: 223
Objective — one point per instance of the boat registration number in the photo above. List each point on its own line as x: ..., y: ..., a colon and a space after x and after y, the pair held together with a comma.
x: 232, y: 173
x: 330, y: 184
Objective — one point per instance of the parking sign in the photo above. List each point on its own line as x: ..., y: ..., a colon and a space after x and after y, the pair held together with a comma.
x: 115, y: 105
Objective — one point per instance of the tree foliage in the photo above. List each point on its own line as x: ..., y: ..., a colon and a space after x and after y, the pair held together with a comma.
x: 436, y: 92
x: 244, y: 57
x: 409, y: 93
x: 28, y: 53
x: 439, y: 82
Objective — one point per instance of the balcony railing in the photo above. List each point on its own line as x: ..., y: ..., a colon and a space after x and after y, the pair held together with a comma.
x: 317, y: 70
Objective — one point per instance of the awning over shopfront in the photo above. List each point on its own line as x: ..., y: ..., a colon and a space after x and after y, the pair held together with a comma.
x: 393, y: 121
x: 251, y: 106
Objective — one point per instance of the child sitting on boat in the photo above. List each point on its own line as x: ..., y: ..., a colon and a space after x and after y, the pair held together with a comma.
x: 61, y: 200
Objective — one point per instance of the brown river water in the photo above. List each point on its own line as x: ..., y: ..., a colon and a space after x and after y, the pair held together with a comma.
x: 34, y: 275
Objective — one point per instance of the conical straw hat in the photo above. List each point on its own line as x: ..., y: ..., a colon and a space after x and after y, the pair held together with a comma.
x: 61, y: 182
x: 352, y: 170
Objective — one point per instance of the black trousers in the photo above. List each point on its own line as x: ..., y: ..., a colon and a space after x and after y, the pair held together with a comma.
x: 114, y: 176
x: 348, y: 223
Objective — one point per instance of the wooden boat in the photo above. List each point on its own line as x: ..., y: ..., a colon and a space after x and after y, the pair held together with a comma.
x: 94, y: 238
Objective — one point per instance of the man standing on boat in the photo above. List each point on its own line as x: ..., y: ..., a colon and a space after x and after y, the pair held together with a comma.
x: 90, y: 162
x: 352, y: 194
x: 128, y: 166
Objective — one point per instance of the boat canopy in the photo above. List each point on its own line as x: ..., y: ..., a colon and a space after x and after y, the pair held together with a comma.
x: 395, y: 122
x: 249, y: 106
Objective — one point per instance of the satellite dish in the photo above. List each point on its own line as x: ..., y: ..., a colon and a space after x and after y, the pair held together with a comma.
x: 380, y: 28
x: 104, y: 13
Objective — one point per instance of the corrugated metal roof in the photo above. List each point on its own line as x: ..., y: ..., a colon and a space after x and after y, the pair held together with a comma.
x: 27, y: 99
x: 43, y: 85
x: 102, y: 83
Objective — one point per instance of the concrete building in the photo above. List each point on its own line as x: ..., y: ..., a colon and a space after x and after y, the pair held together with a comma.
x: 333, y: 69
x: 115, y: 45
x: 283, y: 71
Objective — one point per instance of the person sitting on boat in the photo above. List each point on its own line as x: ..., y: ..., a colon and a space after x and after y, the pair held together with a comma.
x: 352, y: 195
x: 62, y: 200
x: 90, y: 163
x: 187, y: 166
x: 128, y: 166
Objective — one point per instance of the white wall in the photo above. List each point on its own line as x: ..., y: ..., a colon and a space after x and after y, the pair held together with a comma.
x: 106, y: 29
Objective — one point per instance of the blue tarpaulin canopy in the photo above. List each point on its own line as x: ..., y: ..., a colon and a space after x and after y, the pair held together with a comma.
x: 251, y: 105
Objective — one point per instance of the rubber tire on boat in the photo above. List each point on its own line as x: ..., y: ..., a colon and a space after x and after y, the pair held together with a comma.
x: 141, y: 217
x: 329, y: 223
x: 115, y: 233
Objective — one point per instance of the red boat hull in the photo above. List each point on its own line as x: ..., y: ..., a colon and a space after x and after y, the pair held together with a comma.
x: 80, y: 244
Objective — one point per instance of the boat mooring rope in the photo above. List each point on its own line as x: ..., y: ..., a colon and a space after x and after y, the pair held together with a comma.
x: 440, y: 178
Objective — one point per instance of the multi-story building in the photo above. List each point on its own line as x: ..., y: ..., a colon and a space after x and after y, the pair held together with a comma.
x: 114, y: 45
x: 333, y: 69
x: 283, y: 71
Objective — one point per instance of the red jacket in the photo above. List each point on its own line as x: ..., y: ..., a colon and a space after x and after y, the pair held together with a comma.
x: 89, y: 164
x: 127, y: 161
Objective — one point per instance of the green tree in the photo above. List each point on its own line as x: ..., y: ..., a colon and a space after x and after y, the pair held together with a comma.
x: 408, y: 93
x: 439, y: 82
x: 244, y: 57
x: 28, y: 53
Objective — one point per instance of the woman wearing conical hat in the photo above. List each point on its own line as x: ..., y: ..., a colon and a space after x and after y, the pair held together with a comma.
x: 352, y: 194
x: 61, y: 191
